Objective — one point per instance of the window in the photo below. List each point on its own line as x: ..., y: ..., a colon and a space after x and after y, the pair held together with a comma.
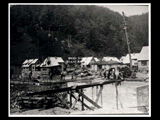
x: 143, y: 63
x: 88, y: 66
x: 44, y: 69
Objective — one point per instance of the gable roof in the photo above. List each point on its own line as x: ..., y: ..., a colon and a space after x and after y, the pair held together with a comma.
x: 110, y: 59
x: 111, y: 62
x: 122, y: 58
x: 28, y: 62
x: 86, y: 60
x: 144, y: 54
x: 126, y: 58
x: 51, y: 61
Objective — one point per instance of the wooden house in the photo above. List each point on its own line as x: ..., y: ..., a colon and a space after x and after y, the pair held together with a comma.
x: 110, y: 59
x: 108, y: 62
x: 143, y: 59
x: 51, y: 66
x: 30, y: 65
x: 102, y: 64
x: 89, y: 62
x: 134, y: 59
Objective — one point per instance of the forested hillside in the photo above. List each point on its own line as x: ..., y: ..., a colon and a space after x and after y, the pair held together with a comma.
x: 93, y: 30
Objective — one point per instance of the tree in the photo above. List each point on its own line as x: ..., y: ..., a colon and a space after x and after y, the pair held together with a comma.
x: 95, y: 30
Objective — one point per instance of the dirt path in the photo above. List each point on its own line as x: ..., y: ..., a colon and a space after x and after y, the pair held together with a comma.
x: 127, y: 99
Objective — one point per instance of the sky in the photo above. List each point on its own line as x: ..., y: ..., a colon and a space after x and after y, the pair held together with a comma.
x: 129, y: 9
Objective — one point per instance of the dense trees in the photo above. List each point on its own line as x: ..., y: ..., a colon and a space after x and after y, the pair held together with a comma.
x: 94, y: 31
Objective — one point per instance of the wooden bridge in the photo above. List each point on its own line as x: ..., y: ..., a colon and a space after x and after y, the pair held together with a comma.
x: 49, y: 95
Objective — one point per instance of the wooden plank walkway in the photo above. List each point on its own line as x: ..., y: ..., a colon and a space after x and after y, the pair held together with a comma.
x: 65, y: 89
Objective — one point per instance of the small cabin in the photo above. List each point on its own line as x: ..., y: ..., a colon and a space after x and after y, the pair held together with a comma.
x: 108, y: 62
x: 51, y: 66
x: 89, y: 62
x: 134, y: 59
x: 30, y: 65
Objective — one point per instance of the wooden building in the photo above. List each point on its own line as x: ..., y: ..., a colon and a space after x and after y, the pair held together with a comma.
x: 30, y: 65
x: 109, y: 58
x: 109, y: 62
x: 89, y: 62
x: 102, y: 64
x: 51, y: 66
x: 143, y: 59
x: 134, y: 59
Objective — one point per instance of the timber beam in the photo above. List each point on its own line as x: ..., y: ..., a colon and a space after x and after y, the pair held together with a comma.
x: 65, y: 89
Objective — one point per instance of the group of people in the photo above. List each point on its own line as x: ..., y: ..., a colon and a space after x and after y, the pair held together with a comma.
x: 112, y: 73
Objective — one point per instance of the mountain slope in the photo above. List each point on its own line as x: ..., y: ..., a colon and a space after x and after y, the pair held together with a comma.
x: 93, y: 30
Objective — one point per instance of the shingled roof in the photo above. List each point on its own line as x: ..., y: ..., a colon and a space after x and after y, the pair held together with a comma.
x: 51, y: 62
x: 28, y: 62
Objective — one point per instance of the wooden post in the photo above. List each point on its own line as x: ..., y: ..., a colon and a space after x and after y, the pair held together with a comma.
x: 82, y: 100
x: 70, y: 98
x: 98, y: 95
x: 128, y: 43
x: 89, y: 100
x: 96, y: 90
x: 116, y: 95
x: 76, y: 99
x: 92, y: 93
x: 101, y: 96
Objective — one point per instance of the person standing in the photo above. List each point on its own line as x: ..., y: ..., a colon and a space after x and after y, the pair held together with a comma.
x: 116, y: 73
x: 109, y: 73
x: 63, y: 74
x: 50, y: 74
x: 104, y: 73
x: 30, y: 75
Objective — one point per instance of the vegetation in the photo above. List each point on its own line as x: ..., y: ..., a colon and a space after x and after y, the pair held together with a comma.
x: 94, y: 30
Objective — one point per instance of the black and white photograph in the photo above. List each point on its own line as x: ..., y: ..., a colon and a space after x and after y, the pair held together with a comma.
x: 79, y: 59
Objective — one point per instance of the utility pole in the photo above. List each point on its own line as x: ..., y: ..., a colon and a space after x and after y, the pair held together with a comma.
x: 69, y: 41
x: 125, y: 28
